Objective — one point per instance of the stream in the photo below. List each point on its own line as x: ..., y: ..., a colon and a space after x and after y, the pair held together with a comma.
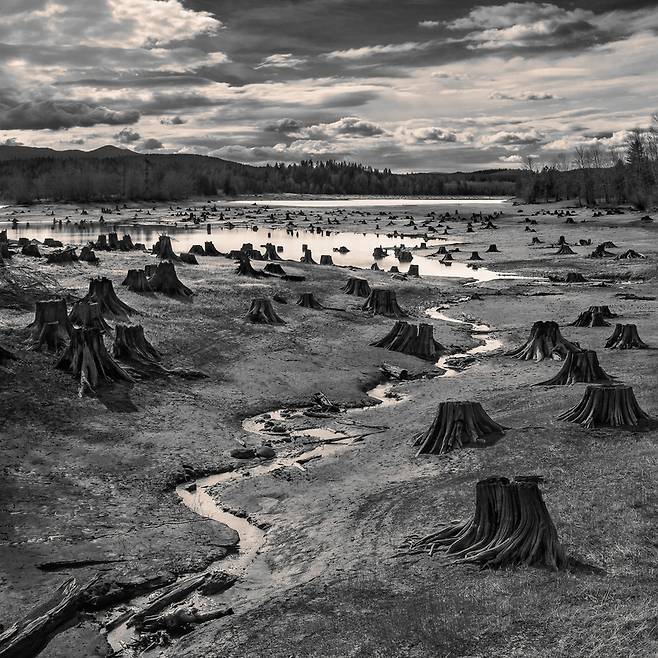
x: 203, y: 495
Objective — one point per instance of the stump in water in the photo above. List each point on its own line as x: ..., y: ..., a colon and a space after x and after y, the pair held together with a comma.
x: 606, y: 405
x: 211, y: 250
x: 307, y: 258
x: 565, y: 250
x: 262, y: 312
x: 87, y: 359
x: 410, y: 339
x: 131, y: 347
x: 163, y: 249
x: 197, y: 250
x: 475, y: 256
x: 101, y: 292
x: 31, y: 250
x: 166, y: 281
x: 88, y: 255
x: 189, y: 259
x: 357, y: 287
x: 326, y: 259
x: 48, y: 312
x: 136, y: 281
x: 510, y: 526
x: 307, y: 300
x: 270, y: 252
x: 274, y: 268
x: 456, y: 424
x: 382, y: 301
x: 492, y: 249
x: 625, y: 337
x: 545, y: 341
x: 575, y: 277
x: 88, y: 315
x: 578, y: 367
x: 245, y: 268
x: 590, y: 318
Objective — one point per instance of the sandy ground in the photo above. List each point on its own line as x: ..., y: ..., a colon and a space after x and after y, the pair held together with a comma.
x: 81, y: 482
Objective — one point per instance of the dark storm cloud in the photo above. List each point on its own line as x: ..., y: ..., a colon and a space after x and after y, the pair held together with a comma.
x: 144, y: 79
x: 173, y: 121
x: 61, y: 114
x: 151, y: 144
x: 284, y: 126
x: 127, y: 136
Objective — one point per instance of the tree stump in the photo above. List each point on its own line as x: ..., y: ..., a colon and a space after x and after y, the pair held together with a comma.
x: 630, y: 253
x: 49, y: 338
x: 163, y: 249
x: 88, y: 315
x: 197, y: 250
x: 413, y: 271
x: 414, y: 340
x: 575, y: 277
x: 565, y: 250
x: 101, y: 292
x: 88, y: 255
x: 456, y: 424
x: 165, y: 280
x: 126, y: 243
x: 625, y: 337
x: 87, y: 360
x: 357, y: 287
x: 404, y: 256
x: 307, y: 300
x: 245, y: 268
x: 307, y: 258
x: 603, y: 310
x: 326, y: 259
x: 379, y: 252
x: 211, y: 250
x: 31, y: 250
x: 101, y: 243
x: 545, y: 341
x: 113, y: 241
x: 475, y: 256
x: 131, y: 347
x: 189, y: 259
x: 447, y: 258
x: 590, y: 318
x: 382, y: 301
x: 48, y: 312
x: 62, y: 256
x: 511, y: 526
x: 262, y: 312
x: 150, y: 269
x: 582, y: 366
x: 606, y: 405
x: 136, y: 281
x: 270, y: 252
x: 601, y: 252
x: 492, y: 249
x: 274, y: 268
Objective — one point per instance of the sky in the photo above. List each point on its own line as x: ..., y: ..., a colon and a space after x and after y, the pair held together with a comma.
x: 412, y: 85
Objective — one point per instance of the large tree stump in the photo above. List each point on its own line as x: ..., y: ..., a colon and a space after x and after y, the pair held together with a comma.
x: 307, y: 258
x: 131, y: 347
x: 163, y: 249
x: 413, y: 271
x: 601, y: 252
x: 245, y: 268
x: 270, y: 252
x: 326, y: 259
x: 62, y: 256
x: 211, y: 250
x: 575, y: 277
x: 32, y: 250
x: 101, y: 243
x: 456, y: 424
x: 414, y: 340
x: 47, y: 312
x: 262, y: 312
x: 307, y: 300
x: 188, y: 259
x: 88, y: 315
x: 492, y: 249
x: 197, y: 250
x: 545, y: 341
x: 50, y: 338
x: 136, y: 281
x: 113, y: 241
x: 87, y: 255
x: 625, y: 337
x: 274, y: 268
x: 357, y: 287
x: 101, y: 292
x: 603, y: 310
x: 590, y: 318
x: 87, y: 359
x: 579, y: 367
x: 166, y: 281
x: 382, y: 301
x: 126, y: 243
x: 606, y: 405
x: 511, y: 526
x: 565, y: 250
x: 475, y: 256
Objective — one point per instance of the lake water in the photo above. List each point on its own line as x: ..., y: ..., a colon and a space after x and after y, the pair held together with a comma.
x: 366, y: 202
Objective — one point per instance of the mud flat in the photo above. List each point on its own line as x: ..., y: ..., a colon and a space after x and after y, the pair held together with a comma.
x: 316, y: 573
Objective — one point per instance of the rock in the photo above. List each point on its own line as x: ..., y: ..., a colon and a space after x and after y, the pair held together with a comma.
x: 243, y: 453
x: 265, y: 452
x: 218, y: 581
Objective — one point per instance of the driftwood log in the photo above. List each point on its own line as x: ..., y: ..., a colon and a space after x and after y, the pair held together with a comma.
x: 357, y: 287
x: 262, y: 312
x: 456, y: 424
x: 382, y: 301
x: 49, y: 312
x: 88, y: 315
x: 410, y: 339
x: 606, y: 405
x: 181, y: 620
x: 166, y: 281
x: 582, y: 366
x: 87, y: 360
x: 625, y: 337
x: 101, y: 292
x: 136, y: 281
x: 545, y: 342
x: 511, y: 526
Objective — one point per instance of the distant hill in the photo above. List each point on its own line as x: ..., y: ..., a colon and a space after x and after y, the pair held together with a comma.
x: 110, y: 174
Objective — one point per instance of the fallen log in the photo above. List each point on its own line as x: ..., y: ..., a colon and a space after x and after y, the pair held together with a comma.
x: 394, y: 372
x: 582, y: 366
x: 625, y: 337
x: 181, y: 620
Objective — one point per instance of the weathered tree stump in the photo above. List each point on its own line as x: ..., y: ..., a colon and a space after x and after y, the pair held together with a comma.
x: 606, y: 405
x: 575, y: 277
x: 31, y: 250
x: 456, y: 424
x: 136, y: 281
x: 326, y: 259
x: 150, y: 269
x: 565, y: 250
x: 414, y: 340
x: 307, y: 258
x: 126, y: 243
x: 379, y: 252
x: 511, y: 526
x: 603, y: 310
x: 245, y: 268
x: 88, y: 255
x: 163, y: 249
x: 404, y: 256
x: 630, y: 254
x: 270, y: 252
x: 48, y: 312
x: 211, y: 250
x: 357, y: 287
x: 582, y: 366
x: 50, y: 339
x: 375, y: 268
x: 492, y: 249
x: 625, y: 337
x: 188, y: 259
x: 262, y: 312
x: 62, y: 256
x: 382, y: 301
x: 601, y: 252
x: 165, y: 280
x: 131, y: 347
x: 197, y: 250
x: 101, y: 292
x: 88, y: 315
x: 475, y: 256
x: 590, y: 318
x: 87, y: 360
x: 274, y: 268
x: 545, y: 342
x: 113, y: 241
x: 101, y: 243
x: 413, y: 271
x: 307, y: 300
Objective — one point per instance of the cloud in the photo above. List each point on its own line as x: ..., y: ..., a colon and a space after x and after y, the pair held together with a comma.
x: 511, y: 159
x: 432, y: 134
x: 151, y: 144
x: 523, y: 96
x: 348, y: 127
x: 284, y: 126
x: 173, y: 121
x: 282, y: 61
x: 429, y: 24
x: 369, y: 51
x: 127, y: 136
x: 506, y: 138
x: 61, y: 114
